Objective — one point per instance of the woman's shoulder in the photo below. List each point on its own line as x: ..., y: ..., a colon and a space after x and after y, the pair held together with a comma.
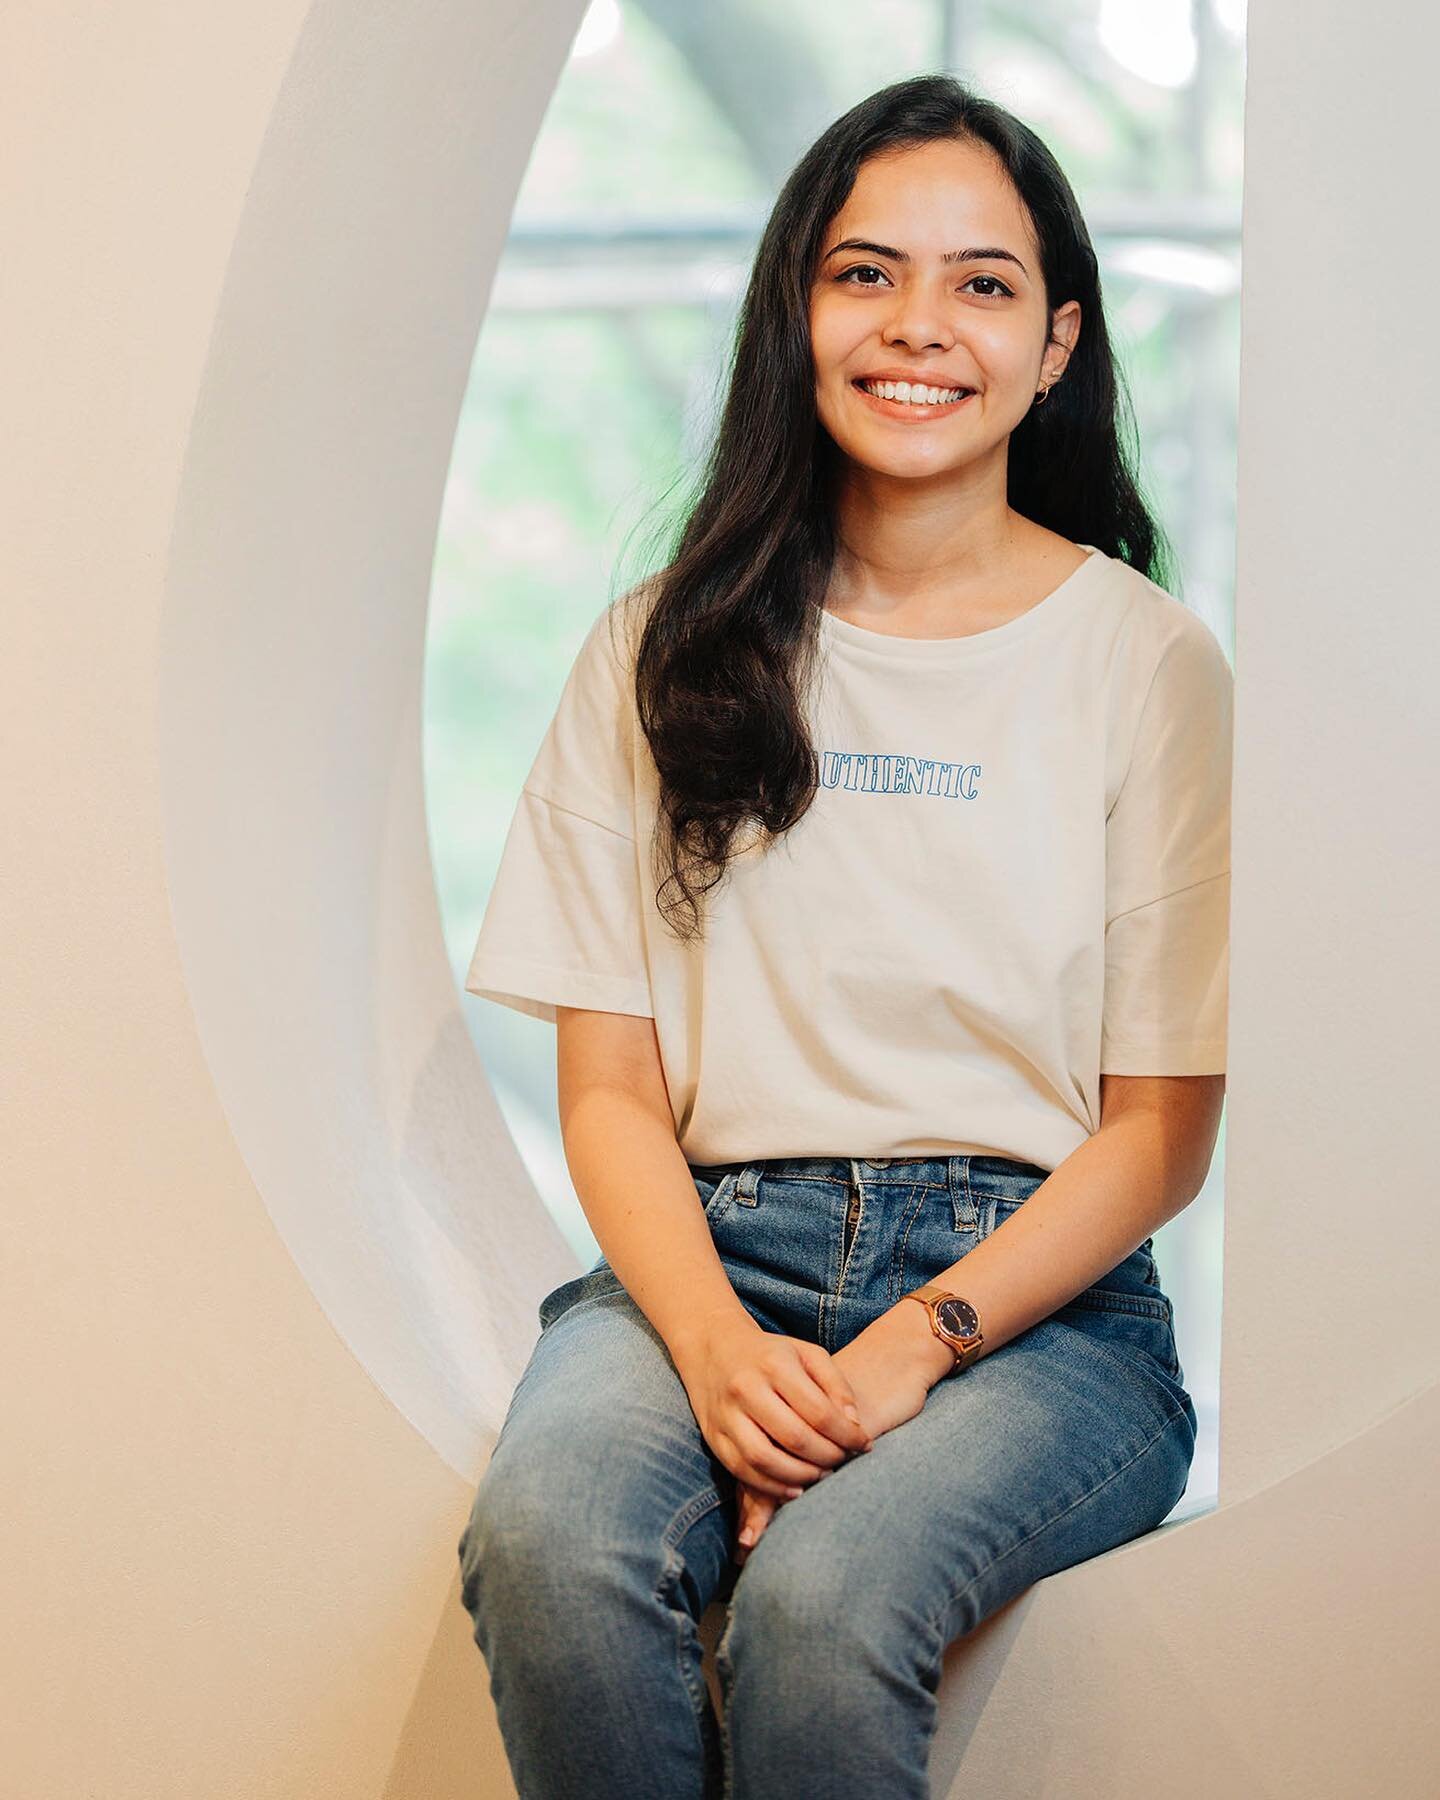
x: 1151, y: 614
x: 622, y: 620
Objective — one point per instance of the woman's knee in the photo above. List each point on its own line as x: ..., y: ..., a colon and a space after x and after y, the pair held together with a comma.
x: 527, y: 1514
x: 597, y: 1455
x: 799, y: 1589
x: 523, y: 1561
x: 558, y: 1520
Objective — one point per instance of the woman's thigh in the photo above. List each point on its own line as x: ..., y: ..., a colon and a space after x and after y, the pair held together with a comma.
x: 1050, y: 1450
x: 600, y: 1457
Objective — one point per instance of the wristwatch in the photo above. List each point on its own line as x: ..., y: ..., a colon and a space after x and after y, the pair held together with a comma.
x: 953, y: 1320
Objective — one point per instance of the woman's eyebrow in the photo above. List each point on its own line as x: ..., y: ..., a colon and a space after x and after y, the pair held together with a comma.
x: 991, y: 254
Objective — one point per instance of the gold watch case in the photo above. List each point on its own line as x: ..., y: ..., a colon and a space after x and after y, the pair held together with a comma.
x: 953, y: 1319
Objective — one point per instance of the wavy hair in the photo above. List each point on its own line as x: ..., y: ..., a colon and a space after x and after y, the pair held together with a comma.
x: 729, y: 642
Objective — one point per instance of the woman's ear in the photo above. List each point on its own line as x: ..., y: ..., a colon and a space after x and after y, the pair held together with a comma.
x: 1064, y: 334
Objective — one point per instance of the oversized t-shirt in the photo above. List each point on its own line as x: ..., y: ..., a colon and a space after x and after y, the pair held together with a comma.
x: 1014, y: 877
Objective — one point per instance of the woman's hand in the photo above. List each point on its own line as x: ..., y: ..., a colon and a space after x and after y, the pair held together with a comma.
x: 890, y: 1375
x: 775, y: 1410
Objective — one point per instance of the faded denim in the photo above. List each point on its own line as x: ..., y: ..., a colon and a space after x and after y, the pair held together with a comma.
x: 604, y: 1526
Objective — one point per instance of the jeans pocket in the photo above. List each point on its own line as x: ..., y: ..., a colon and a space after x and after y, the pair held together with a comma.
x: 1141, y: 1321
x: 724, y: 1193
x: 716, y: 1194
x: 993, y: 1209
x: 601, y: 1279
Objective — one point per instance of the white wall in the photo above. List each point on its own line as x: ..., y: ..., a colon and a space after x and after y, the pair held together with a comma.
x: 272, y: 1262
x: 264, y: 1302
x: 1333, y: 1199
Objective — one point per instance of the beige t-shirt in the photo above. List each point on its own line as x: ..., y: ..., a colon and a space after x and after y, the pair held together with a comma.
x: 1015, y: 876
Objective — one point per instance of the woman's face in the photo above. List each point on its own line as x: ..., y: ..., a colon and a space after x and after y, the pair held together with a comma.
x: 888, y: 306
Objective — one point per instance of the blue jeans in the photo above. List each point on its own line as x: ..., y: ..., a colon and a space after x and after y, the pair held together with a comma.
x: 604, y: 1525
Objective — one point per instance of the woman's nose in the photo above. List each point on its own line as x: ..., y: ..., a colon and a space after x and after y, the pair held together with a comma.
x: 918, y: 322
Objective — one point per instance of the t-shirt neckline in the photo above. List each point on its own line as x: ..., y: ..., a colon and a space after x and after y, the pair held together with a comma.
x: 974, y: 643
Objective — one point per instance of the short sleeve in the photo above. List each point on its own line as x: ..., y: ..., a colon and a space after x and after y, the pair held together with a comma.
x: 1167, y: 871
x: 563, y: 925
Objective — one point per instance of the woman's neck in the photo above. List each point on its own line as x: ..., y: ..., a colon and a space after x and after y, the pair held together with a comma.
x: 905, y: 543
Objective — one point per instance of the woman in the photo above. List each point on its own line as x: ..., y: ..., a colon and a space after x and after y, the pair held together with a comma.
x: 875, y: 874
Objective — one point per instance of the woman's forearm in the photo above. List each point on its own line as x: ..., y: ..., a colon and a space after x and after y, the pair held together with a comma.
x: 639, y: 1196
x: 1144, y: 1165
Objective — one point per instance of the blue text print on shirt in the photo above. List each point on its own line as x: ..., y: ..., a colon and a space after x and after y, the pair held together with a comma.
x: 863, y: 773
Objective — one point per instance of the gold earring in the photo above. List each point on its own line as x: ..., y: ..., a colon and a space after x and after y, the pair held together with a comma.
x: 1043, y: 393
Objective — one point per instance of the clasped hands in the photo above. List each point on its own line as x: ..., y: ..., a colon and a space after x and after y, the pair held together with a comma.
x: 792, y: 1412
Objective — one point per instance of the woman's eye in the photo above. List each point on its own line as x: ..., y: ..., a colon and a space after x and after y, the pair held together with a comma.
x: 996, y: 289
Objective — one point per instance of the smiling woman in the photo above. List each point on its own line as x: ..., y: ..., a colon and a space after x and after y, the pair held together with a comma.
x: 947, y: 250
x: 867, y: 838
x: 960, y: 325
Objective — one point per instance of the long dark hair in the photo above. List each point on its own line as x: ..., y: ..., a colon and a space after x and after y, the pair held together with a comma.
x: 730, y: 635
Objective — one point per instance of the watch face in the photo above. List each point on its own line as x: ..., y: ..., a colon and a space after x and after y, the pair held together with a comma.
x: 958, y: 1317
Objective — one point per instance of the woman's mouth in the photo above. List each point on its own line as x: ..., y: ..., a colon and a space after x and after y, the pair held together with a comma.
x: 917, y: 412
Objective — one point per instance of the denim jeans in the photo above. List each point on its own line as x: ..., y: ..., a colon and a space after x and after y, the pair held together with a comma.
x: 604, y: 1525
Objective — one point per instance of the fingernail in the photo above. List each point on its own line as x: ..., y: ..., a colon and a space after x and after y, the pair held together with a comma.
x: 793, y: 1493
x: 747, y: 1537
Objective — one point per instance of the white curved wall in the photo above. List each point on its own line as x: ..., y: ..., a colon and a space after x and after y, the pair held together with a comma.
x: 272, y: 1262
x: 278, y: 1259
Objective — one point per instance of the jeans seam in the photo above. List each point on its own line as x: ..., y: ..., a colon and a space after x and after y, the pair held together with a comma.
x: 1055, y: 1518
x: 1144, y: 1306
x: 705, y: 1501
x: 683, y: 1623
x: 916, y: 1203
x: 725, y: 1672
x: 721, y: 1197
x: 695, y: 1509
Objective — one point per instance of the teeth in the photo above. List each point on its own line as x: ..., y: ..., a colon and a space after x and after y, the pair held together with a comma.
x: 910, y: 395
